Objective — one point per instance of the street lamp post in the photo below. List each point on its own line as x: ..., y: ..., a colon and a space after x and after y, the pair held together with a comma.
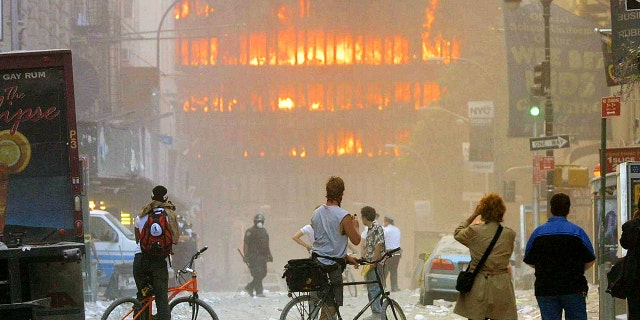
x: 490, y: 77
x: 164, y: 16
x: 422, y: 159
x: 460, y: 119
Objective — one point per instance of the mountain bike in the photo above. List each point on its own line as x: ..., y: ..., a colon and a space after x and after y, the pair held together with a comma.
x: 184, y: 307
x: 315, y: 305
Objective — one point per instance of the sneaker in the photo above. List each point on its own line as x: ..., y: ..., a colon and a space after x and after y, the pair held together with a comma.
x: 249, y: 292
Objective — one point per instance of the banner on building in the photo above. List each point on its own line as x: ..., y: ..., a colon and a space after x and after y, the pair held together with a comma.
x: 577, y: 82
x: 481, y: 148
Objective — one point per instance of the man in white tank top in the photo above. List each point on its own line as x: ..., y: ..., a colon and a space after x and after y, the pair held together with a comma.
x: 333, y: 228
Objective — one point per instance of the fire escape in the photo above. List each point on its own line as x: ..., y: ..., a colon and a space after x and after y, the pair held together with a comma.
x: 111, y: 111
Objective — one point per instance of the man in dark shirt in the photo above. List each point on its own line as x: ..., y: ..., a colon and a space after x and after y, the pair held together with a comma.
x: 560, y: 251
x: 257, y: 254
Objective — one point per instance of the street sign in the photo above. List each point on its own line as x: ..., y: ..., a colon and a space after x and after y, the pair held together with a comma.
x: 547, y: 163
x: 616, y: 156
x: 552, y: 142
x: 537, y: 174
x: 610, y: 107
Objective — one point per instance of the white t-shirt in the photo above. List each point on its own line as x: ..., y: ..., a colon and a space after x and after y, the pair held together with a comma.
x: 391, y: 237
x: 307, y: 230
x: 138, y: 223
x: 364, y: 232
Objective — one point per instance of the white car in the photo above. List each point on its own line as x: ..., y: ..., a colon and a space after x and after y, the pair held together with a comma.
x: 115, y: 246
x: 441, y: 269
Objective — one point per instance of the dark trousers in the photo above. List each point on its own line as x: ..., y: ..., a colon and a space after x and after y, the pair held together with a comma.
x: 633, y: 306
x: 391, y: 267
x: 153, y: 271
x: 258, y: 272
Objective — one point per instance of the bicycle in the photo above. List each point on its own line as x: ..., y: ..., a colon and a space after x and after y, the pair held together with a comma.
x: 305, y: 306
x: 347, y: 276
x: 184, y: 307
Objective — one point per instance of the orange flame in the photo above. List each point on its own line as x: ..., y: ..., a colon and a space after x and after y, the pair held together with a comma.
x: 308, y: 47
x: 285, y: 103
x: 317, y: 97
x: 294, y: 45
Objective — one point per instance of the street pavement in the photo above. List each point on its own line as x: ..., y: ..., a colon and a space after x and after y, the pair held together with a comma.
x: 239, y: 305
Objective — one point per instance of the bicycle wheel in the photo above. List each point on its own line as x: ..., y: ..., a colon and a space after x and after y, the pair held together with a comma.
x: 189, y: 308
x: 392, y: 310
x: 353, y: 289
x: 120, y: 309
x: 301, y: 307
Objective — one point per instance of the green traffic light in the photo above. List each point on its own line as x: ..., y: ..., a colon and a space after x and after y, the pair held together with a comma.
x: 534, y: 111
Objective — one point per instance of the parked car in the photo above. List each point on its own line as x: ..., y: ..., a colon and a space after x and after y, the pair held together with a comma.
x: 441, y: 269
x: 115, y: 244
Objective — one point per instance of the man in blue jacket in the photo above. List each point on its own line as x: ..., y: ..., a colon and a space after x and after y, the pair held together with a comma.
x: 560, y: 252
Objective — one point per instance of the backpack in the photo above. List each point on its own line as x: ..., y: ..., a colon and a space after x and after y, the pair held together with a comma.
x: 155, y: 236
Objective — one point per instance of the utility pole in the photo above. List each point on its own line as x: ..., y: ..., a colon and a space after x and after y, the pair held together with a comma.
x: 548, y: 105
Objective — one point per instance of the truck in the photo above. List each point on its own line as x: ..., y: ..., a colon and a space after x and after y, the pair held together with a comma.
x: 41, y: 188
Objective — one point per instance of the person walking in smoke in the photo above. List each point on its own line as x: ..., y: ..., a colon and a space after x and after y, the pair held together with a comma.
x: 392, y: 237
x: 257, y: 254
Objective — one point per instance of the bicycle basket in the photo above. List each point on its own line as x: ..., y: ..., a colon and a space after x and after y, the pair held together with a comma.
x: 304, y: 275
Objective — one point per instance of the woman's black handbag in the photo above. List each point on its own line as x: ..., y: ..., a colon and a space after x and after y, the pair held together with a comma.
x: 617, y: 286
x: 464, y: 283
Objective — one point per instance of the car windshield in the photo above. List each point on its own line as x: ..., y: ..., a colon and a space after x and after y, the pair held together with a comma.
x: 127, y: 233
x: 448, y: 245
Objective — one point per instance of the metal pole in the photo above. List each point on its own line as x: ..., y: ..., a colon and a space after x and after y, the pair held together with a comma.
x: 422, y: 160
x: 606, y: 301
x: 548, y: 106
x: 164, y: 15
x: 536, y: 190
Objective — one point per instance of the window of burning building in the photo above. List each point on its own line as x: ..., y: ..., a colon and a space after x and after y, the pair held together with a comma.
x: 310, y: 57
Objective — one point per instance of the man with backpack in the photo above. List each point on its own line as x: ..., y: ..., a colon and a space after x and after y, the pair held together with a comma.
x: 156, y: 231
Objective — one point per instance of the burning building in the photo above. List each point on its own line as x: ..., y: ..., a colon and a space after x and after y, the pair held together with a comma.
x: 276, y: 96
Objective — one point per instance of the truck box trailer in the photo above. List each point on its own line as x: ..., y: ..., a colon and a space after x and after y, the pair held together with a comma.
x: 41, y: 206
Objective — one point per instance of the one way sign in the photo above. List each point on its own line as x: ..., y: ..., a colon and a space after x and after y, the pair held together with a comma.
x: 553, y: 142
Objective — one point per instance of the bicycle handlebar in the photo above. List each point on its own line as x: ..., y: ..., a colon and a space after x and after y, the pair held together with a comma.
x: 385, y: 255
x: 201, y: 251
x: 189, y: 266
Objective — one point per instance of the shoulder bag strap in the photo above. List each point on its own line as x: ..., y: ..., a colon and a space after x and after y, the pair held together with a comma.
x: 486, y: 253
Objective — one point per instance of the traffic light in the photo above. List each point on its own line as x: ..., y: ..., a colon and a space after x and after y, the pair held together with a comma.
x: 534, y: 106
x: 534, y: 110
x: 540, y: 79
